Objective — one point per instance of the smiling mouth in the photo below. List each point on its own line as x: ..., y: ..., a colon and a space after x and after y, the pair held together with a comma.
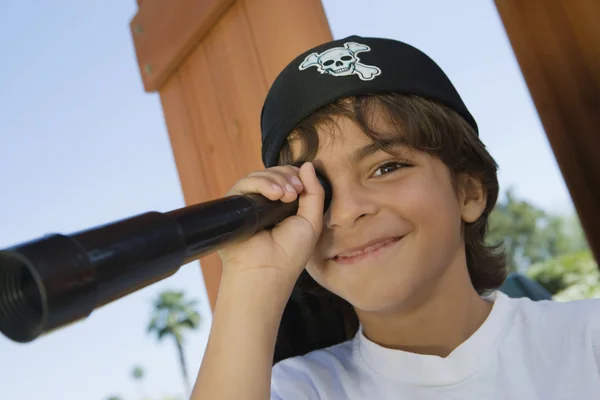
x: 369, y: 252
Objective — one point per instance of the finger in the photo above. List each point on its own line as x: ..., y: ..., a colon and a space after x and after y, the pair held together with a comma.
x: 310, y: 206
x: 285, y: 169
x: 291, y: 174
x: 283, y: 179
x: 288, y: 175
x: 287, y: 180
x: 264, y: 185
x: 296, y: 236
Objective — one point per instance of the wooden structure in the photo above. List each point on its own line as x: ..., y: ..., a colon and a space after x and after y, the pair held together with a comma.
x: 212, y: 62
x: 557, y: 45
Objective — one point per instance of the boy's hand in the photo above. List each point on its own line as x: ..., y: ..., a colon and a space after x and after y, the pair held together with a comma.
x: 286, y: 248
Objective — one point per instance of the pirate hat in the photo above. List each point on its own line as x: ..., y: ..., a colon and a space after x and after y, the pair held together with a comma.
x: 348, y: 67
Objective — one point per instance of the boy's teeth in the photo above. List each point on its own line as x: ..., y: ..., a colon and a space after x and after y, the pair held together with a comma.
x: 365, y: 250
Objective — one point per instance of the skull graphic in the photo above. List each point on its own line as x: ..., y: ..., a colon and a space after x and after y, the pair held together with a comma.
x: 337, y: 61
x: 342, y: 61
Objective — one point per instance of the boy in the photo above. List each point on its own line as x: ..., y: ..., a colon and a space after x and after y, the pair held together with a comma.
x: 401, y: 250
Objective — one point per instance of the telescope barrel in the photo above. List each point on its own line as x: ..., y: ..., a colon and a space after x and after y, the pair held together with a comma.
x: 58, y: 279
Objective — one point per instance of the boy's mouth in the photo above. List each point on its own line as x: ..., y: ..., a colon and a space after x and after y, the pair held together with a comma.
x: 372, y: 248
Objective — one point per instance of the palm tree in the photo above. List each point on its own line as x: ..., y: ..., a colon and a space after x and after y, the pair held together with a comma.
x: 138, y: 375
x: 171, y: 316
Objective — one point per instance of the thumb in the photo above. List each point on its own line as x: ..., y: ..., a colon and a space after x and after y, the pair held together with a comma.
x: 312, y: 198
x: 297, y: 235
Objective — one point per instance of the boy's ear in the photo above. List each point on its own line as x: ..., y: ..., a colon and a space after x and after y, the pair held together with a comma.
x: 473, y: 198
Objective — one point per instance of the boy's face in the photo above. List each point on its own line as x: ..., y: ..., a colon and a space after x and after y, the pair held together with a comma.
x: 404, y: 206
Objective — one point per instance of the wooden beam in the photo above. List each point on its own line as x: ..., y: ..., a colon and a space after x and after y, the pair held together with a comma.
x: 556, y: 43
x: 212, y: 61
x: 164, y: 33
x: 279, y: 43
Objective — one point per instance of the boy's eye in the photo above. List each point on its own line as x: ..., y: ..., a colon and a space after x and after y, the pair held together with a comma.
x: 389, y: 168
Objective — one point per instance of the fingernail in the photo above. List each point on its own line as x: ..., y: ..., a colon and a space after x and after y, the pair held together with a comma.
x: 290, y: 188
x: 275, y: 186
x: 295, y: 181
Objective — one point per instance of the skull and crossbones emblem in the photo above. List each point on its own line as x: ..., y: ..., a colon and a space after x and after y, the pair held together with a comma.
x: 342, y: 61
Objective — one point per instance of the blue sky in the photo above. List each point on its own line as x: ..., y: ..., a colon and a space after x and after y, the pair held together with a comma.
x: 82, y: 144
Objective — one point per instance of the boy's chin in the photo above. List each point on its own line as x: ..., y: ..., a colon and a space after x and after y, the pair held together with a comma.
x: 391, y: 299
x: 379, y: 305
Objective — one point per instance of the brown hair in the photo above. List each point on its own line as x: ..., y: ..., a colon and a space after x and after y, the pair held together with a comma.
x: 422, y: 125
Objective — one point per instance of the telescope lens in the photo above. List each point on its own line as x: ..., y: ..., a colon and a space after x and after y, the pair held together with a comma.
x: 21, y: 309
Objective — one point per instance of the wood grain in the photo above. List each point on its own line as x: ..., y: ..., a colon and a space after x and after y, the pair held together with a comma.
x: 164, y: 32
x: 556, y: 43
x: 212, y: 63
x: 284, y: 29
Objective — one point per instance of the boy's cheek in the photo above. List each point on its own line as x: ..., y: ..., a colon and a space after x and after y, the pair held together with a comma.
x: 315, y: 268
x: 318, y: 270
x: 426, y: 203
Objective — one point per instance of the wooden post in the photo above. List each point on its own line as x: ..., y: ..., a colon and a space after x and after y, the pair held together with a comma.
x: 212, y: 62
x: 557, y: 45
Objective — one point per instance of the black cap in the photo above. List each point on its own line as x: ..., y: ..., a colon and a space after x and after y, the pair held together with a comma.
x: 349, y: 67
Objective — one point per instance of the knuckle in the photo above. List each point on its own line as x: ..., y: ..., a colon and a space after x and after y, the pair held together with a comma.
x: 286, y: 170
x: 262, y: 181
x: 291, y: 169
x: 245, y: 185
x: 289, y: 174
x: 281, y: 180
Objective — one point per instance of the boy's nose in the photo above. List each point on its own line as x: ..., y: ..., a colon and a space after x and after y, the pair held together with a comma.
x: 345, y: 209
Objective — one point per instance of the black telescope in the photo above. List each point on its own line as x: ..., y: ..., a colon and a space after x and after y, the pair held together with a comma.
x: 58, y: 279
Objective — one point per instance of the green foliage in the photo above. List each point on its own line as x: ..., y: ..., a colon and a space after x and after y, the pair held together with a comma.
x: 569, y: 277
x: 137, y: 373
x: 531, y: 235
x: 172, y: 315
x: 551, y: 249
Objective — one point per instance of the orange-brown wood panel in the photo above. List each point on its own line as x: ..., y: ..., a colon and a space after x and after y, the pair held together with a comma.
x: 236, y: 72
x: 164, y: 32
x: 184, y: 126
x: 283, y: 29
x: 557, y: 46
x: 213, y: 61
x: 214, y: 146
x: 183, y: 137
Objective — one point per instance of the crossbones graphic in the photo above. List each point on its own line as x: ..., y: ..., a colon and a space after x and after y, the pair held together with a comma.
x: 342, y: 61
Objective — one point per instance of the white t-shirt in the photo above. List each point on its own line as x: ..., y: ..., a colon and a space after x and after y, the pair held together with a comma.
x: 524, y: 350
